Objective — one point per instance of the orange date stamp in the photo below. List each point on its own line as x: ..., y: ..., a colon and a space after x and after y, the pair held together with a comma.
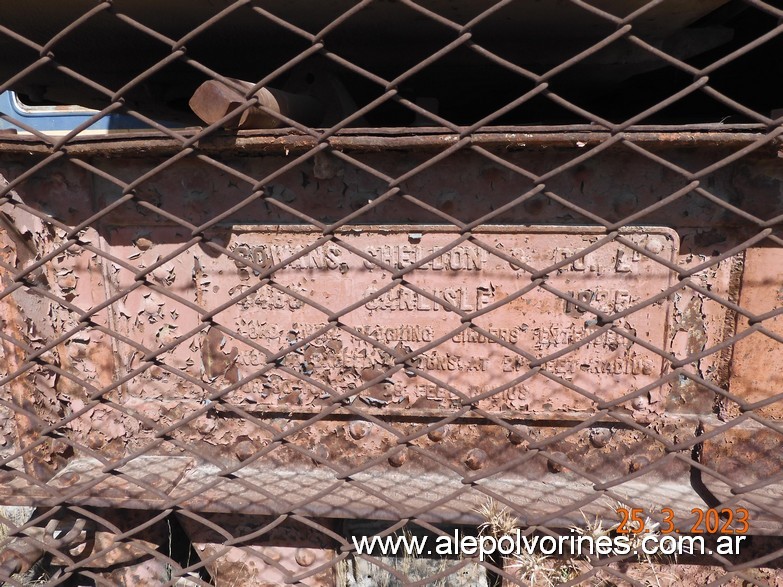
x: 707, y: 521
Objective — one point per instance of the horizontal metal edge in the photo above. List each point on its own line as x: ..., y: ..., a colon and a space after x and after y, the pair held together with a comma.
x: 249, y: 143
x: 381, y: 493
x: 539, y: 418
x: 440, y: 228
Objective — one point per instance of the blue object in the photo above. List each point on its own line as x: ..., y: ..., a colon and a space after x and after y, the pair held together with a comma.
x: 60, y: 120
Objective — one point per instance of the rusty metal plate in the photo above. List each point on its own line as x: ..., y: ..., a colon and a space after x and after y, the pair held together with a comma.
x: 752, y: 379
x: 142, y: 483
x: 434, y: 301
x: 272, y: 557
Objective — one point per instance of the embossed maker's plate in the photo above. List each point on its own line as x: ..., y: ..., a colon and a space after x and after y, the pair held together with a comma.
x: 465, y: 277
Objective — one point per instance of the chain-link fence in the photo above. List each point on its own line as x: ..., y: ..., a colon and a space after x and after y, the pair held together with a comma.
x: 284, y: 284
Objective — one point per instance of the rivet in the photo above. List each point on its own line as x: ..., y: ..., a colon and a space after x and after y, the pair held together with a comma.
x: 273, y: 555
x: 68, y: 478
x: 438, y: 434
x: 640, y: 403
x: 515, y: 437
x: 143, y: 243
x: 398, y: 459
x: 358, y: 429
x: 476, y: 459
x: 304, y: 557
x: 321, y: 452
x: 244, y: 450
x: 67, y: 282
x: 637, y: 462
x: 554, y: 466
x: 654, y: 245
x: 600, y: 437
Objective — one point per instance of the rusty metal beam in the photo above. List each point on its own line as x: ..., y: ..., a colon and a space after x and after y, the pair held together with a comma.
x: 249, y: 142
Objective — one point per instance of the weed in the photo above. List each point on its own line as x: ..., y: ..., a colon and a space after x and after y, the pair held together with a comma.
x: 498, y: 520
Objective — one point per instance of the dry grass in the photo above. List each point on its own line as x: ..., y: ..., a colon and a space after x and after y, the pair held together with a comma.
x: 537, y: 569
x: 498, y: 520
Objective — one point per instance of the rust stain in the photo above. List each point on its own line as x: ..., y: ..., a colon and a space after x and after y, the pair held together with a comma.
x: 755, y: 370
x: 139, y: 143
x: 215, y: 360
x: 746, y: 456
x: 40, y: 461
x: 286, y: 550
x: 463, y: 279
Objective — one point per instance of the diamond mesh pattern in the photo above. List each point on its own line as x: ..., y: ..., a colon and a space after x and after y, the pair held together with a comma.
x: 219, y: 357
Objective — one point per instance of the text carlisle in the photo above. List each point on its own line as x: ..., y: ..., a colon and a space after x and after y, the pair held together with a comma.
x: 407, y: 291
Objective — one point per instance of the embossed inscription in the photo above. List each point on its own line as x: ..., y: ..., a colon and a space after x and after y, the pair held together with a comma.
x: 445, y: 297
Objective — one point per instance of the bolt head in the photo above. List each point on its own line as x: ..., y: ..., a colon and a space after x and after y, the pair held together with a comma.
x: 321, y: 452
x: 554, y: 466
x: 143, y: 243
x: 68, y: 478
x: 358, y: 429
x: 399, y: 458
x: 476, y: 459
x: 304, y: 557
x: 515, y: 437
x: 244, y: 450
x: 600, y: 437
x: 438, y: 434
x: 637, y: 462
x: 654, y: 245
x: 640, y: 403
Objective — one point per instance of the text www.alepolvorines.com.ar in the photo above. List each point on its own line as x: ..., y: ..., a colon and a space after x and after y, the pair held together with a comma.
x: 573, y: 545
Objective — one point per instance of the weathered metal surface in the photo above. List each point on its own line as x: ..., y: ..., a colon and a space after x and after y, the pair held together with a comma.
x: 699, y: 322
x: 395, y: 449
x: 748, y: 461
x: 200, y: 279
x: 151, y: 571
x: 144, y: 483
x: 466, y: 278
x: 554, y: 499
x: 288, y: 550
x: 219, y: 345
x: 27, y: 407
x: 280, y: 483
x: 755, y: 371
x: 140, y: 144
x: 464, y: 186
x: 212, y: 101
x: 66, y: 539
x: 746, y: 458
x: 744, y: 471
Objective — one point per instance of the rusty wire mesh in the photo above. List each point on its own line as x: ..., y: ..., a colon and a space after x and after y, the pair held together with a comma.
x: 226, y: 352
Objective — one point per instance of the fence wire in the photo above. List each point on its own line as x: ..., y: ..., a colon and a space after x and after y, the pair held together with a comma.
x: 294, y: 276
